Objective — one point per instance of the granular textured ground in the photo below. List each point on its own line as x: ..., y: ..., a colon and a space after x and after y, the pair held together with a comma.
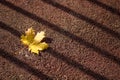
x: 83, y: 38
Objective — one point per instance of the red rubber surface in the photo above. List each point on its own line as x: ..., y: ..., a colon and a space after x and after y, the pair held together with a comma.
x: 83, y: 35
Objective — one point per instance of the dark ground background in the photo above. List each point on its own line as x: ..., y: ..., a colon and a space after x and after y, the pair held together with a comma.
x: 83, y: 35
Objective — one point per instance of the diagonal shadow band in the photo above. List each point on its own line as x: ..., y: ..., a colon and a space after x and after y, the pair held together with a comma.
x: 11, y: 30
x: 24, y: 65
x: 84, y: 18
x: 55, y: 54
x: 106, y: 7
x: 76, y: 65
x: 63, y: 32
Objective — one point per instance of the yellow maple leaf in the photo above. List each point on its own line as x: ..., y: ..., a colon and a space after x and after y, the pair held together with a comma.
x: 34, y: 41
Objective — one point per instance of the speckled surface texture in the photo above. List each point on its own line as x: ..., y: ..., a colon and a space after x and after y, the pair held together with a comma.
x: 83, y: 35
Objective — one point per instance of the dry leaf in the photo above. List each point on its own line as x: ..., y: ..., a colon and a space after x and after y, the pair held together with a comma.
x: 34, y: 41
